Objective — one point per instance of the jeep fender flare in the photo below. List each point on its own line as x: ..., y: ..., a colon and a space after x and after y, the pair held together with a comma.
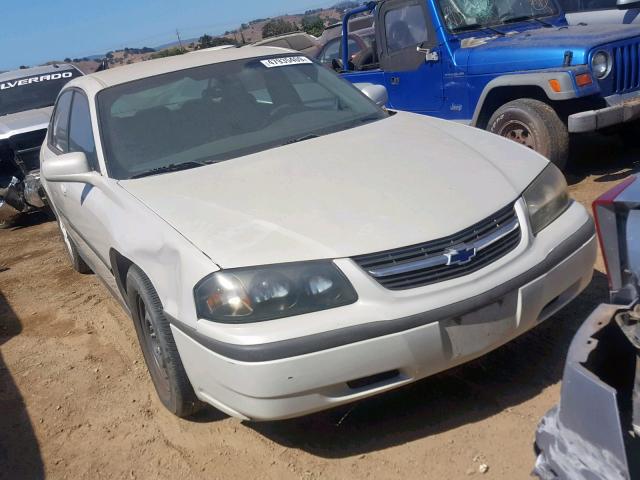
x: 537, y: 80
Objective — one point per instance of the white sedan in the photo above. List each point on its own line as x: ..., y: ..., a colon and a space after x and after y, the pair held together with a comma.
x: 284, y: 245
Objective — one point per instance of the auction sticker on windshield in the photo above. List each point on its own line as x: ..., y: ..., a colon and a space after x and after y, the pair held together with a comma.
x: 285, y: 61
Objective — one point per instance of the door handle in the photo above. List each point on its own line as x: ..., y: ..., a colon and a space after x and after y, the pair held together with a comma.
x: 395, y: 81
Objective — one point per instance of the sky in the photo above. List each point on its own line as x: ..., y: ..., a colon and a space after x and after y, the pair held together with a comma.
x: 35, y: 31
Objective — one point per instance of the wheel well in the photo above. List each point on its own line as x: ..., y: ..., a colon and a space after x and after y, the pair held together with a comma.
x: 501, y: 95
x: 120, y: 266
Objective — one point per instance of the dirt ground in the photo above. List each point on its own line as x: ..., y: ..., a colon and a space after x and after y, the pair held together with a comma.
x: 76, y: 400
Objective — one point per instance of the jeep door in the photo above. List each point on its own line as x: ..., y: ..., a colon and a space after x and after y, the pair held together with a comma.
x: 410, y: 56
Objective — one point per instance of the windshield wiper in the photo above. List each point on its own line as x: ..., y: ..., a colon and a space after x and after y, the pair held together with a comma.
x: 301, y: 139
x: 173, y: 167
x: 477, y: 26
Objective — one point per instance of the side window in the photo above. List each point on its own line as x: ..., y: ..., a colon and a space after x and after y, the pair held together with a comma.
x: 60, y: 125
x: 80, y: 130
x: 405, y: 27
x: 331, y: 51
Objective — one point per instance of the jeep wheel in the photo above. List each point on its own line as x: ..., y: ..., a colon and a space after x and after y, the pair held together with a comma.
x: 535, y: 125
x: 78, y: 264
x: 158, y: 346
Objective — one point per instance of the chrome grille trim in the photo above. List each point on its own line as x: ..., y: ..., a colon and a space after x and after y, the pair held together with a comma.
x: 432, y: 262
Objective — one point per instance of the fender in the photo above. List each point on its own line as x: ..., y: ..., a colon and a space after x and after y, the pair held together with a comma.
x: 566, y: 80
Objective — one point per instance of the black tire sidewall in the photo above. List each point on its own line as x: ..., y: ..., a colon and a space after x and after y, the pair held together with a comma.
x: 180, y: 399
x: 550, y: 134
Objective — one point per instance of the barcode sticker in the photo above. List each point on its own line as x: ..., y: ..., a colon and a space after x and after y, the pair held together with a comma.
x: 285, y: 61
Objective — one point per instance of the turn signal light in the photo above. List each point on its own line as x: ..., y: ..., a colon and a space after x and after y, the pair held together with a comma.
x: 555, y: 85
x: 584, y: 80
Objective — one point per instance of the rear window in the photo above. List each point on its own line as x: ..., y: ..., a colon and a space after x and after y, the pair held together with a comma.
x: 34, y: 91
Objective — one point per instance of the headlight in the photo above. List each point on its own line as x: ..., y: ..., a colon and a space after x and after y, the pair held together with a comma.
x: 601, y: 64
x: 246, y: 295
x: 547, y: 198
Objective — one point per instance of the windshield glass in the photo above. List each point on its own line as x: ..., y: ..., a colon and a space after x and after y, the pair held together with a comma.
x: 222, y: 111
x: 460, y: 15
x: 36, y: 91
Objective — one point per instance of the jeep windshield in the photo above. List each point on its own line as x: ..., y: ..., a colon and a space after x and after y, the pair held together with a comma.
x: 217, y: 112
x: 463, y: 15
x: 36, y: 91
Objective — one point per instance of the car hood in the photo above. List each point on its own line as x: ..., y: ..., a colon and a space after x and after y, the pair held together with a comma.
x: 538, y: 48
x: 23, y: 122
x: 396, y: 182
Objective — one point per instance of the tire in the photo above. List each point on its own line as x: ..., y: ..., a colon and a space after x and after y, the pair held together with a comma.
x: 78, y: 264
x: 534, y: 124
x: 158, y: 346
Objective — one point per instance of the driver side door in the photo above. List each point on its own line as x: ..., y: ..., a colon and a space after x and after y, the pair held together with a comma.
x: 413, y: 78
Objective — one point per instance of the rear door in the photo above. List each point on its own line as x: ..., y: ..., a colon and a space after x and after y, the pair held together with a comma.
x: 414, y: 82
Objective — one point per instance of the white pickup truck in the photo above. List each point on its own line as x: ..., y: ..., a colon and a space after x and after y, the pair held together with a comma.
x: 26, y: 101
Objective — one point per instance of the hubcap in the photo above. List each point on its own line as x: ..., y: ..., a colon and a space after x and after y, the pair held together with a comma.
x: 518, y: 132
x: 153, y: 347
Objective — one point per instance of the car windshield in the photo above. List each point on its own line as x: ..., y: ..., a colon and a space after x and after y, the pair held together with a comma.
x: 221, y: 111
x: 460, y: 15
x: 31, y: 92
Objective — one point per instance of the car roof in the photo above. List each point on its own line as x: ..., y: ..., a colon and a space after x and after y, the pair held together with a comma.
x: 127, y: 73
x: 30, y: 72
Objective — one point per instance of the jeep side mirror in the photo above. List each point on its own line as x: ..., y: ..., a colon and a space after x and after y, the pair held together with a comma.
x: 70, y: 167
x: 628, y: 4
x: 377, y: 93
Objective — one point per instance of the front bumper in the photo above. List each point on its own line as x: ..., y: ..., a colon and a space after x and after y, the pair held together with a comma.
x: 588, y: 436
x: 620, y: 109
x: 295, y: 377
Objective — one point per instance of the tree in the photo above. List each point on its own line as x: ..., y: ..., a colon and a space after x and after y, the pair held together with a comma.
x: 67, y: 60
x: 276, y: 27
x: 207, y: 41
x: 313, y: 25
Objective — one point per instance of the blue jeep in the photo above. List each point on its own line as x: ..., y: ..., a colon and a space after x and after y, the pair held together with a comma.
x: 513, y: 67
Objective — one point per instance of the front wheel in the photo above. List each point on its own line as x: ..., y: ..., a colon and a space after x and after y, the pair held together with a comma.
x: 535, y: 125
x: 158, y: 346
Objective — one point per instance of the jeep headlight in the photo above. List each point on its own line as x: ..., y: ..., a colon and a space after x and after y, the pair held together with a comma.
x: 547, y: 198
x: 256, y: 294
x: 601, y: 64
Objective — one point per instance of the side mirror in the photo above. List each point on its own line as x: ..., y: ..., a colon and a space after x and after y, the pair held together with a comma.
x: 71, y: 168
x: 377, y: 93
x: 628, y: 4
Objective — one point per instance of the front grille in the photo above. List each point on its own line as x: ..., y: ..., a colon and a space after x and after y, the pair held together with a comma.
x: 427, y: 263
x: 626, y: 67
